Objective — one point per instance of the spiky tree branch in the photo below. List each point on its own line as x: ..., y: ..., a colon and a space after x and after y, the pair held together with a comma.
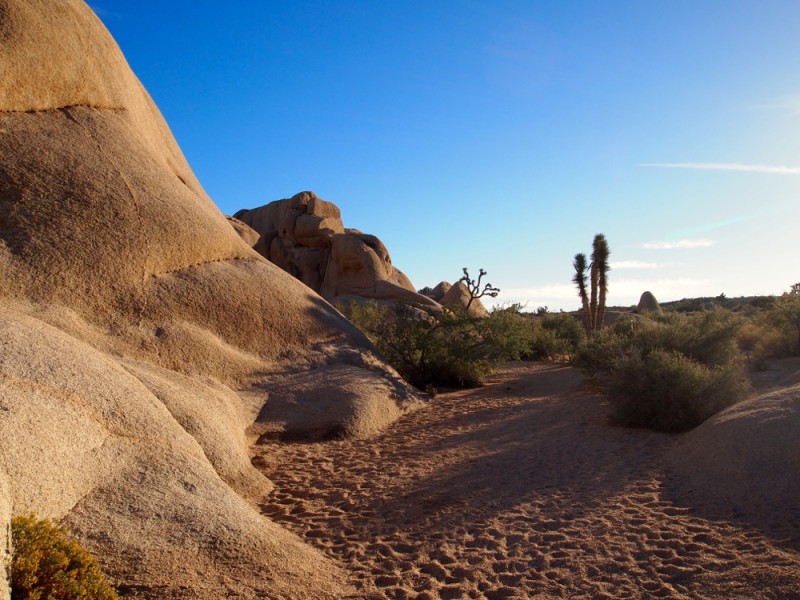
x: 474, y: 287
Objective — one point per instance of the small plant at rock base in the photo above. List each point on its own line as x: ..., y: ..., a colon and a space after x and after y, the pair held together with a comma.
x: 47, y: 565
x: 474, y: 287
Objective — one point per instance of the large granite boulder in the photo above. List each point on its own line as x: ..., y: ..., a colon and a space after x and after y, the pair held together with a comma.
x: 304, y: 235
x: 746, y: 458
x: 141, y: 337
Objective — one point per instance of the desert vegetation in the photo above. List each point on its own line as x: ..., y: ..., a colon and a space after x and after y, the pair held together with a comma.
x: 669, y: 373
x: 476, y: 292
x: 48, y: 565
x: 443, y: 349
x: 666, y: 372
x: 593, y: 302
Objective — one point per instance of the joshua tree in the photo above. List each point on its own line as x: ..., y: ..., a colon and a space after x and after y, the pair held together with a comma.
x: 580, y: 280
x: 594, y: 303
x: 600, y: 255
x: 474, y: 287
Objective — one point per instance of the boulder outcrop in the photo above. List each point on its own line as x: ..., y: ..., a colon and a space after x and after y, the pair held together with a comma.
x: 141, y: 337
x: 747, y: 457
x: 648, y: 304
x: 458, y: 296
x: 304, y: 235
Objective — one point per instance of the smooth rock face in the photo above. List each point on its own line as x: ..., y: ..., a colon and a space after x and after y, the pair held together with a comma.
x: 249, y: 235
x: 304, y: 235
x: 747, y: 456
x: 140, y: 335
x: 440, y: 290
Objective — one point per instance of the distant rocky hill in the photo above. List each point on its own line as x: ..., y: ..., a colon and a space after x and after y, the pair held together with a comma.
x: 143, y: 345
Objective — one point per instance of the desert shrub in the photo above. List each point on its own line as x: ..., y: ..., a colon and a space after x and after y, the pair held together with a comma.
x: 556, y: 336
x: 707, y: 337
x: 599, y: 355
x: 668, y: 391
x: 47, y: 565
x: 442, y: 349
x: 786, y: 315
x: 670, y: 373
x: 760, y: 340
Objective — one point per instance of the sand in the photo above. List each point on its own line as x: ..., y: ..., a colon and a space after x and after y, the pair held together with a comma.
x: 521, y: 489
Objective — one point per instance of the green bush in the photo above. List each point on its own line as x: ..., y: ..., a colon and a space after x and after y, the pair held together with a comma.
x: 668, y: 391
x: 670, y: 373
x: 442, y: 349
x: 556, y: 336
x: 47, y: 565
x: 786, y: 315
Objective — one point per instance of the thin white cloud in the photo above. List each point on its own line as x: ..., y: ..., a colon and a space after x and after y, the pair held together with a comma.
x: 634, y: 264
x: 678, y: 244
x: 740, y: 167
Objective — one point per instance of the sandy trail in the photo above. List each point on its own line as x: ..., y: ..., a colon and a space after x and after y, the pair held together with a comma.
x: 521, y: 489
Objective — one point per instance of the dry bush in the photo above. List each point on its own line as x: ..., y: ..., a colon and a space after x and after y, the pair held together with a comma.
x: 47, y: 565
x: 668, y: 391
x: 671, y: 373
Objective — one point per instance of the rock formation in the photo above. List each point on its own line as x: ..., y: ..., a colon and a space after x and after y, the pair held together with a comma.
x: 648, y: 304
x: 141, y: 338
x: 747, y: 457
x: 438, y: 292
x: 304, y: 236
x: 457, y: 296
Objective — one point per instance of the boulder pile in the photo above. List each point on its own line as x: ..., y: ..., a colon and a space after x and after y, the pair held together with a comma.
x: 304, y: 235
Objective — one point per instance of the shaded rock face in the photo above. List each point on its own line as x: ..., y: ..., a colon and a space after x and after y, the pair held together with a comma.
x: 747, y: 457
x: 440, y: 290
x: 648, y: 304
x: 304, y: 235
x: 457, y: 296
x: 141, y: 337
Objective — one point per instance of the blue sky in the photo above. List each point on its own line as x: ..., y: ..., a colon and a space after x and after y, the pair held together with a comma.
x: 501, y: 134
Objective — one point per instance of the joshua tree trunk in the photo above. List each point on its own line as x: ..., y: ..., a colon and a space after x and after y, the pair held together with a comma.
x: 600, y: 262
x: 580, y: 280
x: 594, y: 307
x: 593, y: 301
